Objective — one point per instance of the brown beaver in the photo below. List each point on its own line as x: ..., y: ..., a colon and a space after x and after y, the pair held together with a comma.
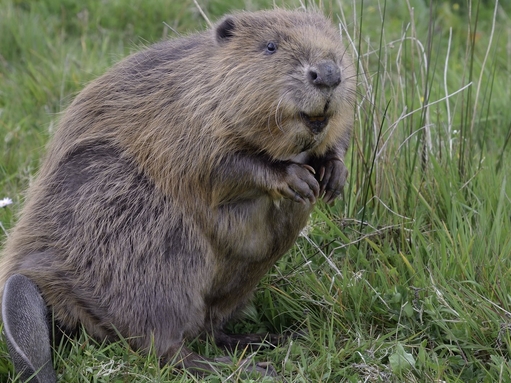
x: 176, y: 180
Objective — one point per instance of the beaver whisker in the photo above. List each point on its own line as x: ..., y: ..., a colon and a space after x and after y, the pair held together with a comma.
x: 278, y: 116
x: 268, y: 124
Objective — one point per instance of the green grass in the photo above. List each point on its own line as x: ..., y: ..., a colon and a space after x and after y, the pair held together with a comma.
x: 405, y: 279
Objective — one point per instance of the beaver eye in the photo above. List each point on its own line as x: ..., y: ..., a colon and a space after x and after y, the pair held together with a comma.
x: 271, y: 48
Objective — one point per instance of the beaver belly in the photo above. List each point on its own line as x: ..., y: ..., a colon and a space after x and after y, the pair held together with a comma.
x: 258, y: 229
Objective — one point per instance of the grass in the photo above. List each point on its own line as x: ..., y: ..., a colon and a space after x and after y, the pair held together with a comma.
x: 405, y: 279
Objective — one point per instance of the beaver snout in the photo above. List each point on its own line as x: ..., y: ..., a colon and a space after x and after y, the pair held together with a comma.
x: 325, y: 75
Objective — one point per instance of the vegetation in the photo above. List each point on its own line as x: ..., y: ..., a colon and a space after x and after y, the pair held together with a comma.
x: 405, y: 279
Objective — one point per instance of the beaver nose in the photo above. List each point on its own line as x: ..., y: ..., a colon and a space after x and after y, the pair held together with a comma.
x: 326, y: 74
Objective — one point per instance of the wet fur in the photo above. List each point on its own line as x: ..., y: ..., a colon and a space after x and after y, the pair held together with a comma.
x: 164, y: 195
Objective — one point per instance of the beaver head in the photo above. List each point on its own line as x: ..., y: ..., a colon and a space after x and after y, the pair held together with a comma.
x: 289, y: 74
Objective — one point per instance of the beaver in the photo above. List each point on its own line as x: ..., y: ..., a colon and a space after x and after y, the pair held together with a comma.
x: 174, y: 182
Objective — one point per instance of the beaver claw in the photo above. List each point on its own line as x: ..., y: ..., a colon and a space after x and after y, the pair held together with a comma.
x: 250, y: 366
x: 263, y: 368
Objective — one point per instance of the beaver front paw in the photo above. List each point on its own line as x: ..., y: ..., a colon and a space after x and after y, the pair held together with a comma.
x: 332, y: 177
x: 299, y: 184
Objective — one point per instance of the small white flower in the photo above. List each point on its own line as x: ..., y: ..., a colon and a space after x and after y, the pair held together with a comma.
x: 5, y: 202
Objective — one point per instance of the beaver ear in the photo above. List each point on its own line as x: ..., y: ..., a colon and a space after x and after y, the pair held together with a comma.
x: 224, y: 31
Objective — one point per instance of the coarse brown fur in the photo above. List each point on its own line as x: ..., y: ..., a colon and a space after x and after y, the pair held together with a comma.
x: 178, y: 178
